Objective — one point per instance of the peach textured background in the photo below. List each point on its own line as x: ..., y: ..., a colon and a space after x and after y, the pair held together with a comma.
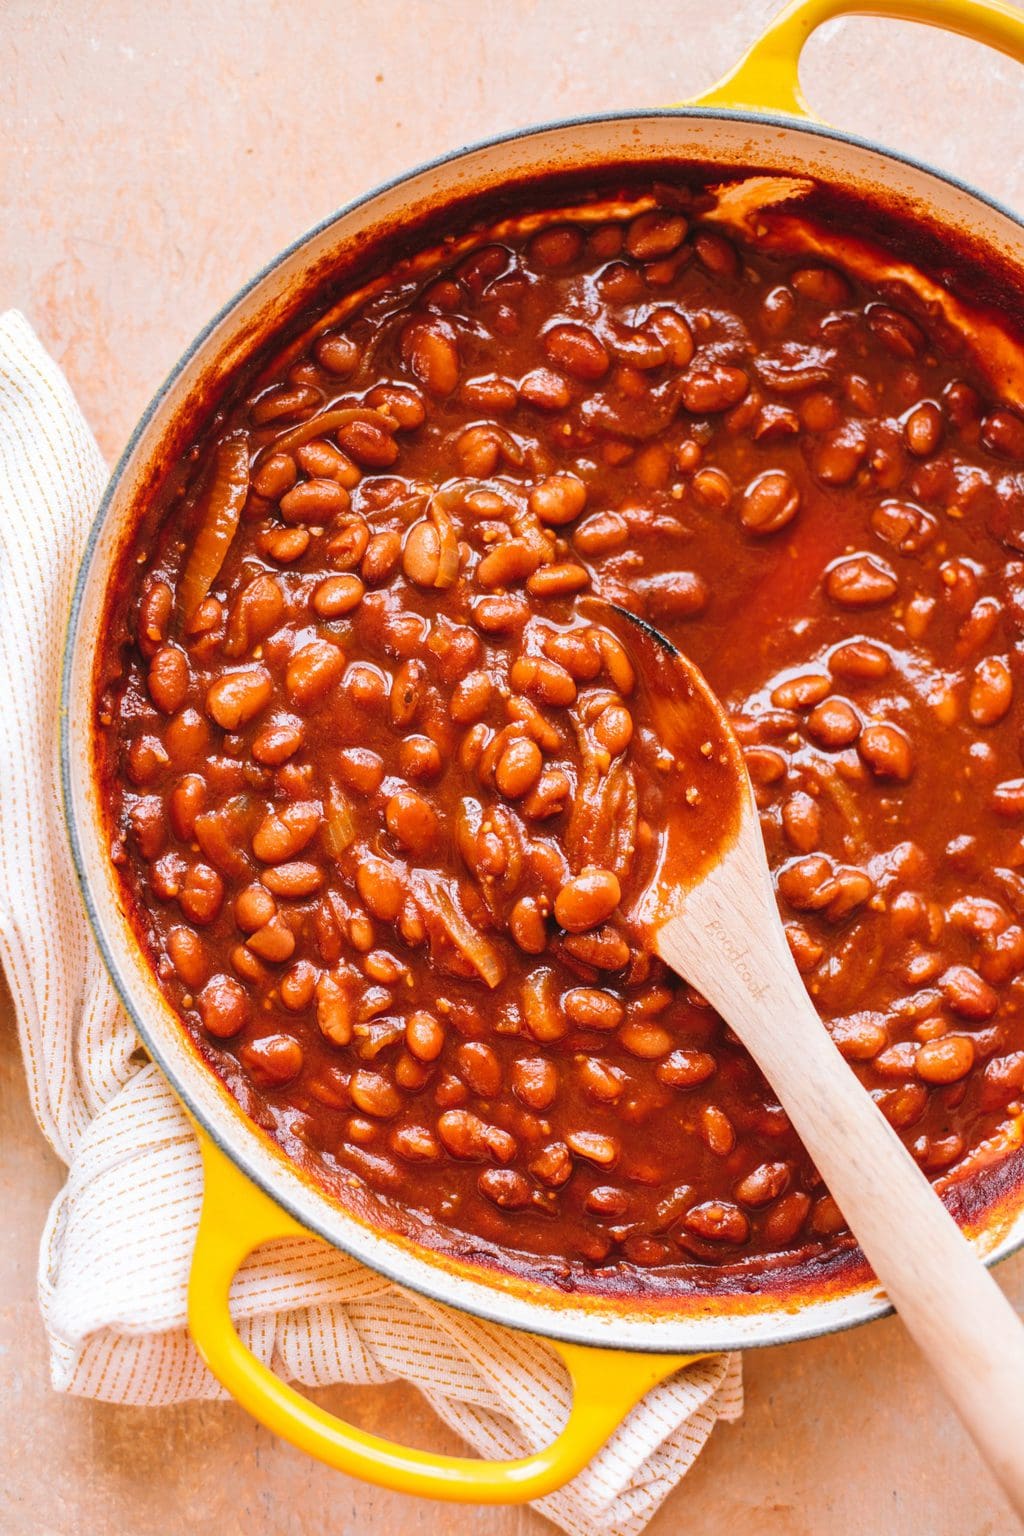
x: 152, y: 156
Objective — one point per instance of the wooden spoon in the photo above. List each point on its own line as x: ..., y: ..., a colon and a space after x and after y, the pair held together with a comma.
x: 710, y: 914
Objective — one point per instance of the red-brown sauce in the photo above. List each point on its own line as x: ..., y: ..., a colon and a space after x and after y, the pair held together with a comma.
x: 382, y: 792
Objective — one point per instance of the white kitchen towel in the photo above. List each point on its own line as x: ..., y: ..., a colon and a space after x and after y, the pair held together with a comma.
x: 115, y: 1252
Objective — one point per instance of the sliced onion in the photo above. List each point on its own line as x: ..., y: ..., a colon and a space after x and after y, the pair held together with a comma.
x: 439, y: 897
x: 447, y: 543
x: 327, y: 421
x: 339, y: 826
x: 224, y: 502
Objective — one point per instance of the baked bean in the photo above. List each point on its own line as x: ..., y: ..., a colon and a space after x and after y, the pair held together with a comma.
x: 285, y: 545
x: 535, y: 1081
x: 682, y: 595
x: 415, y: 1143
x: 312, y: 672
x: 505, y: 1188
x: 991, y: 691
x: 274, y: 942
x: 594, y: 1147
x: 168, y: 679
x: 558, y: 580
x: 412, y: 821
x: 589, y: 1008
x: 314, y: 502
x: 429, y: 349
x: 274, y: 1060
x: 808, y: 884
x: 823, y: 285
x: 887, y: 752
x: 338, y: 353
x: 577, y: 350
x: 374, y: 1094
x: 238, y: 697
x: 500, y: 615
x: 552, y: 1165
x: 404, y: 405
x: 600, y: 1080
x: 480, y: 1068
x: 420, y: 758
x: 764, y: 764
x: 647, y: 1040
x: 653, y: 236
x: 223, y: 1007
x: 558, y: 499
x: 577, y: 651
x: 188, y: 956
x: 543, y: 680
x: 860, y: 581
x: 548, y: 798
x: 923, y: 429
x: 967, y: 995
x: 895, y: 330
x: 323, y: 461
x: 600, y: 534
x: 507, y: 564
x: 685, y: 1068
x: 202, y: 894
x: 466, y: 1136
x: 763, y: 1184
x: 380, y: 888
x: 346, y: 549
x: 859, y: 660
x: 707, y: 391
x: 544, y: 1018
x: 907, y: 528
x: 337, y: 595
x: 558, y: 246
x: 545, y: 389
x: 254, y: 906
x: 770, y: 501
x: 1002, y: 433
x: 604, y: 949
x: 587, y: 900
x: 284, y: 833
x: 717, y: 1130
x: 361, y: 769
x: 945, y: 1060
x: 833, y: 724
x: 786, y: 1217
x: 860, y: 1036
x: 295, y: 880
x: 718, y: 1221
x: 801, y: 692
x: 298, y: 985
x: 155, y: 608
x: 381, y: 557
x: 617, y: 663
x: 147, y: 826
x: 801, y: 822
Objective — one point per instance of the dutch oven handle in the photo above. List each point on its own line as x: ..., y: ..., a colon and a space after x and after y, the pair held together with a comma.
x: 767, y: 78
x: 236, y: 1218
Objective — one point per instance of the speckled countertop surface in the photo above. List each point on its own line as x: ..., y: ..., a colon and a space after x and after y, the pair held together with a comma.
x: 153, y: 157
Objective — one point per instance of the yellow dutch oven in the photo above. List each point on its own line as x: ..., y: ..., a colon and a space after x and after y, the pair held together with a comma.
x: 755, y: 120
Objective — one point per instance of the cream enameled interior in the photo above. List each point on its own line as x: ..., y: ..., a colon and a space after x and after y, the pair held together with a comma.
x: 701, y: 136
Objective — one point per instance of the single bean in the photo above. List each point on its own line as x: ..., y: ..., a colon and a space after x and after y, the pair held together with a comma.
x: 587, y: 900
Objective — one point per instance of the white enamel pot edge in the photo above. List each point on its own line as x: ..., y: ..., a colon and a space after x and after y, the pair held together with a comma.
x: 731, y: 140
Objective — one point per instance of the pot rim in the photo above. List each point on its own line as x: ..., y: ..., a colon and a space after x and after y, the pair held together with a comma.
x: 873, y: 1303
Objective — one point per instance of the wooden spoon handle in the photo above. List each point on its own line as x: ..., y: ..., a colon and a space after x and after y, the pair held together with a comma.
x: 947, y: 1299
